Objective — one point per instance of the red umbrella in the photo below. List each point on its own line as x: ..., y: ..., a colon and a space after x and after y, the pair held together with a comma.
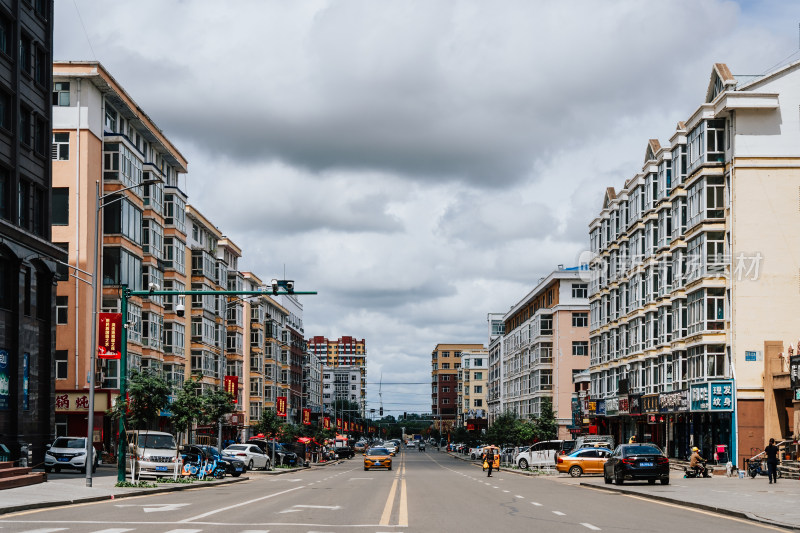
x: 304, y: 439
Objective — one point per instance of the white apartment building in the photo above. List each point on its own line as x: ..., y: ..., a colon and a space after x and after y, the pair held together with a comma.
x: 472, y: 390
x: 494, y: 383
x: 695, y: 273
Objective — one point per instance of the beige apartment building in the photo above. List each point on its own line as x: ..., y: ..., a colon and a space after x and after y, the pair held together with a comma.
x: 101, y: 135
x: 472, y: 390
x: 445, y: 365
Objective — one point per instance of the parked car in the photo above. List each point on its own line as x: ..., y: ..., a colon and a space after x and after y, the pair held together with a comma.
x: 378, y: 457
x: 69, y: 452
x: 539, y: 454
x: 360, y: 447
x: 583, y: 461
x: 637, y: 461
x: 475, y: 453
x: 281, y: 454
x: 253, y: 456
x: 153, y: 453
x: 199, y: 454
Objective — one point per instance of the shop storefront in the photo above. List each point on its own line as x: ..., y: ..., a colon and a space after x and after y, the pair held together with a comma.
x: 709, y: 427
x: 71, y: 417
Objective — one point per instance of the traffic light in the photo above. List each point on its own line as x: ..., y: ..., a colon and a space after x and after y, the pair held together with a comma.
x: 381, y: 411
x: 405, y: 416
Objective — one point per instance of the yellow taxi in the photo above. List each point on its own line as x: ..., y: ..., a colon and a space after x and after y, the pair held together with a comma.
x: 583, y: 461
x: 378, y: 458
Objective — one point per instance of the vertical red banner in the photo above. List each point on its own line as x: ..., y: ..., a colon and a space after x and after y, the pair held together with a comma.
x: 231, y: 384
x: 109, y: 335
x: 307, y: 417
x: 280, y: 405
x: 326, y: 423
x: 339, y: 423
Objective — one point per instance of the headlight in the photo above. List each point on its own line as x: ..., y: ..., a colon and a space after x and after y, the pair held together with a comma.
x: 80, y: 453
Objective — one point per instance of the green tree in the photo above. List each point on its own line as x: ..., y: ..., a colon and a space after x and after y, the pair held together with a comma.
x: 503, y: 430
x: 525, y: 432
x: 186, y: 407
x: 269, y: 424
x: 148, y: 395
x: 546, y: 425
x: 216, y: 404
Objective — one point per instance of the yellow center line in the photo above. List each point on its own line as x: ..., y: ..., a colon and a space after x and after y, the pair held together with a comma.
x: 387, y: 510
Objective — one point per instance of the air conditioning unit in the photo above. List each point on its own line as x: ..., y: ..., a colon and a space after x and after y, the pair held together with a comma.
x: 99, y: 378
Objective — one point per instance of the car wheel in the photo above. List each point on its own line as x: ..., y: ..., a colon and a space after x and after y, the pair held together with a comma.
x: 235, y: 474
x: 389, y: 468
x: 523, y: 464
x: 665, y: 481
x: 606, y: 479
x: 575, y: 471
x: 651, y: 481
x: 366, y: 469
x: 250, y: 465
x: 618, y: 479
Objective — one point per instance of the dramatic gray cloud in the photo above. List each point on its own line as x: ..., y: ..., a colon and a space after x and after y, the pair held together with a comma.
x: 419, y: 163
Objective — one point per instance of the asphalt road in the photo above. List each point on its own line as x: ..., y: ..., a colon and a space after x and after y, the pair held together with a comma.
x: 425, y: 492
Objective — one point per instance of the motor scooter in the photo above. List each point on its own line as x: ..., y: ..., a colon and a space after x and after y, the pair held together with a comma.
x: 755, y: 468
x: 701, y: 471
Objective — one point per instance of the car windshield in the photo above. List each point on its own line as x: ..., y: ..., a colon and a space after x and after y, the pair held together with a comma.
x: 378, y: 451
x: 237, y: 447
x: 162, y: 442
x: 640, y: 450
x: 61, y: 442
x: 211, y: 451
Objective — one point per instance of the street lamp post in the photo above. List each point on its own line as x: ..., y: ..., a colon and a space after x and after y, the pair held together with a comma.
x: 279, y: 287
x: 95, y: 284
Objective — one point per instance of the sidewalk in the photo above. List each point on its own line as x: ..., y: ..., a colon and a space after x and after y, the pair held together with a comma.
x: 750, y: 498
x: 70, y: 488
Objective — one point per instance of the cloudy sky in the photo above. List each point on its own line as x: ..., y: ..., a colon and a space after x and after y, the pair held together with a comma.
x: 419, y: 163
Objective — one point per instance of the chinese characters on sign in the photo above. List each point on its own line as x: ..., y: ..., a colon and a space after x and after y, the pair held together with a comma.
x: 108, y: 337
x: 281, y: 405
x: 713, y: 396
x: 326, y: 423
x: 307, y: 417
x: 231, y: 384
x: 5, y: 381
x: 674, y: 402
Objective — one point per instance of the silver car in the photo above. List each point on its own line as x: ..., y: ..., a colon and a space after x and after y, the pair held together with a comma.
x: 68, y: 452
x: 250, y: 454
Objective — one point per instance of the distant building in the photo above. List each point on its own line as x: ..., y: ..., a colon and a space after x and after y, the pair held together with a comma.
x: 472, y: 379
x: 494, y: 399
x: 347, y: 352
x: 445, y: 365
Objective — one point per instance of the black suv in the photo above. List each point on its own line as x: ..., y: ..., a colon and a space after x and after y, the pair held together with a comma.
x: 283, y: 456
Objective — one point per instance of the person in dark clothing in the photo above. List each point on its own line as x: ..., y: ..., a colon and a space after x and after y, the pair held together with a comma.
x: 490, y: 460
x: 771, y: 452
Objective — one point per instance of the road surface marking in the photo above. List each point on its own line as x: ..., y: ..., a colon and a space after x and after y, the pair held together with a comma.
x: 184, y: 531
x: 355, y: 478
x: 403, y: 518
x: 495, y: 487
x: 154, y: 507
x: 237, y: 505
x: 506, y: 491
x: 537, y: 504
x: 45, y: 530
x: 115, y: 530
x: 252, y: 531
x: 387, y: 510
x: 559, y: 513
x: 590, y: 526
x: 518, y: 496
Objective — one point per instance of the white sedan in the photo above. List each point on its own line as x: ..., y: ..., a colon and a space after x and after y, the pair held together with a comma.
x: 250, y: 454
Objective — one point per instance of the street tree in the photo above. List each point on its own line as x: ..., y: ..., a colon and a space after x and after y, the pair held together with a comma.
x: 217, y: 404
x: 187, y: 407
x: 148, y: 395
x: 503, y: 430
x: 270, y: 424
x: 546, y: 425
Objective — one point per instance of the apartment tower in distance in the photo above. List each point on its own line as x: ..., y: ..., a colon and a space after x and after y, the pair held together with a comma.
x: 445, y: 365
x: 344, y: 366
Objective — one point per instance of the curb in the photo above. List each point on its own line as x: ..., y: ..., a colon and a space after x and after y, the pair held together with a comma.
x: 692, y: 505
x: 90, y: 499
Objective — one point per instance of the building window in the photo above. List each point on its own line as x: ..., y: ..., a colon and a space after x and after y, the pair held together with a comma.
x: 25, y: 54
x: 24, y: 125
x: 478, y: 403
x: 62, y: 364
x: 478, y: 389
x: 445, y: 366
x: 60, y: 201
x: 123, y: 217
x: 6, y: 107
x: 580, y: 347
x: 5, y: 34
x: 62, y: 304
x: 40, y: 65
x: 122, y: 268
x: 580, y: 320
x: 60, y: 149
x: 477, y: 375
x: 580, y: 290
x: 61, y: 94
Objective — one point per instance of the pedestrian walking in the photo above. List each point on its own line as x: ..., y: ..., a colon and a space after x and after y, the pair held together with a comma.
x: 771, y: 452
x: 490, y: 460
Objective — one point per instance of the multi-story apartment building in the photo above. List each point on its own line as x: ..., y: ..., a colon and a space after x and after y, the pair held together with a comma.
x: 344, y: 351
x: 546, y: 340
x: 696, y: 270
x: 27, y: 254
x: 312, y: 384
x: 445, y: 364
x: 102, y: 136
x: 340, y: 383
x: 494, y: 398
x: 293, y: 350
x: 472, y: 379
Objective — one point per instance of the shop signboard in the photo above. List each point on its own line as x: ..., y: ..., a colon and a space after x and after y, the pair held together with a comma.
x: 699, y: 397
x: 624, y: 405
x: 650, y: 403
x: 307, y: 416
x: 5, y: 381
x: 794, y: 372
x: 326, y: 423
x: 601, y: 408
x: 721, y: 395
x: 612, y: 406
x: 634, y: 404
x: 591, y: 407
x: 280, y: 406
x: 109, y: 336
x: 231, y: 384
x: 674, y: 402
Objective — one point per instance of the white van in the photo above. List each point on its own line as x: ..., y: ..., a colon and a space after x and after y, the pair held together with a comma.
x: 153, y: 453
x: 538, y: 455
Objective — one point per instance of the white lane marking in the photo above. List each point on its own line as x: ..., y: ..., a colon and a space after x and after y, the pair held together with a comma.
x: 184, y: 531
x: 154, y: 507
x: 237, y: 505
x: 590, y: 526
x: 255, y: 531
x: 537, y: 504
x: 559, y: 513
x: 506, y: 491
x: 518, y: 496
x: 45, y: 530
x: 117, y: 530
x: 355, y: 478
x: 495, y: 487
